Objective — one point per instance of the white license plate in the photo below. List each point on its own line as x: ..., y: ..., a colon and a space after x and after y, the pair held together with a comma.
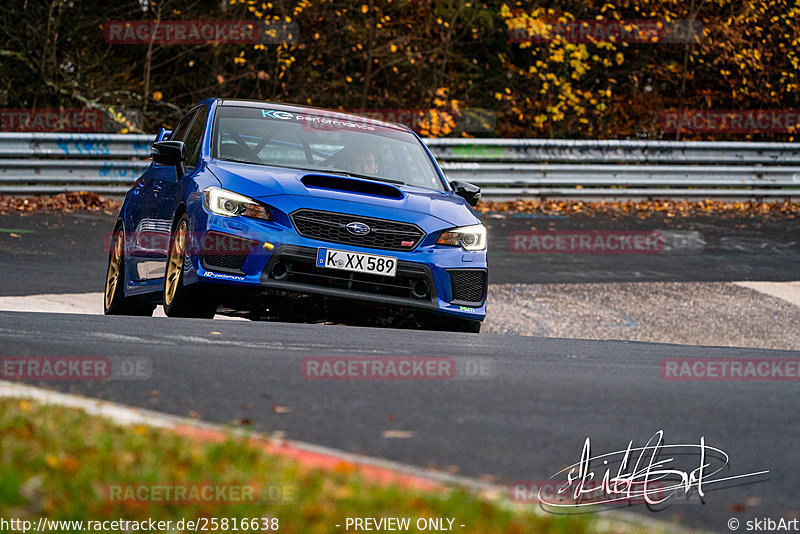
x: 356, y: 262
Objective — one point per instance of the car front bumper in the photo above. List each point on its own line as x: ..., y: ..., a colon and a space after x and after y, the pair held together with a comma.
x: 270, y: 256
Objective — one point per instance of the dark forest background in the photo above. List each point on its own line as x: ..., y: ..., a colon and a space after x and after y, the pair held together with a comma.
x: 445, y: 55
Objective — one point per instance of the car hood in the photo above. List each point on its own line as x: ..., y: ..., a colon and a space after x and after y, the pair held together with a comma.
x: 284, y: 188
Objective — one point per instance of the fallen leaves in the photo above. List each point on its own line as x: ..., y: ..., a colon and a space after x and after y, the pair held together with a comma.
x: 645, y: 208
x: 65, y: 202
x: 344, y: 468
x: 68, y: 202
x: 397, y: 434
x: 62, y: 461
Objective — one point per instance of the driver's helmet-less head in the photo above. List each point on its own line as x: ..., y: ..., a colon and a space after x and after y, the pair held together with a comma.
x: 364, y: 163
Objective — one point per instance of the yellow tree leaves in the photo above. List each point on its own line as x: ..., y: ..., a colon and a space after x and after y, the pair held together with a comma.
x: 731, y: 55
x: 555, y: 71
x: 440, y: 120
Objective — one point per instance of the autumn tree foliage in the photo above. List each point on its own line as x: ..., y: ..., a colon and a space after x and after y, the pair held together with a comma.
x: 743, y: 56
x: 443, y: 57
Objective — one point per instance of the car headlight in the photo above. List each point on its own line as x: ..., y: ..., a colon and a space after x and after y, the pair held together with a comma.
x: 467, y: 237
x: 230, y: 204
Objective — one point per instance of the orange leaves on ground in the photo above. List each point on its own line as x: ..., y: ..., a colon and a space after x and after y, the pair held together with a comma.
x: 646, y: 208
x: 64, y: 202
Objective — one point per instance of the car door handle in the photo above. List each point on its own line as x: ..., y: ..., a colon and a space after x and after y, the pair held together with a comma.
x: 157, y: 189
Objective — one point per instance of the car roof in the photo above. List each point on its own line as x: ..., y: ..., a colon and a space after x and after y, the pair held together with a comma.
x: 332, y: 113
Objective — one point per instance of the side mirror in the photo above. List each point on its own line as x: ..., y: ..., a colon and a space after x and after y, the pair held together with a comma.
x: 469, y: 192
x: 163, y: 134
x: 171, y: 154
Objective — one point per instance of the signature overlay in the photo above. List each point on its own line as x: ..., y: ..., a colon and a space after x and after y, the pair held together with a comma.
x: 651, y: 474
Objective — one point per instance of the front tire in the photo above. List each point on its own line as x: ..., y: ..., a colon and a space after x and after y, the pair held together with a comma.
x: 179, y: 300
x: 114, y: 300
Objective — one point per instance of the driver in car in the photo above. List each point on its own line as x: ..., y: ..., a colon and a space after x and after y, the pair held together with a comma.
x: 365, y: 163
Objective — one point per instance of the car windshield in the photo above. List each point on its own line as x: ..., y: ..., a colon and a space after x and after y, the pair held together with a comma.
x: 320, y: 142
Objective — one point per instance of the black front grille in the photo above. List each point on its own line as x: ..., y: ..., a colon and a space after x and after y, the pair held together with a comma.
x: 469, y: 286
x: 224, y: 252
x: 297, y: 265
x: 332, y: 227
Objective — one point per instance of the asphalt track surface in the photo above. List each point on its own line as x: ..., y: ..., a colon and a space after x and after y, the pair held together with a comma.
x: 694, y: 249
x: 525, y: 421
x: 66, y: 253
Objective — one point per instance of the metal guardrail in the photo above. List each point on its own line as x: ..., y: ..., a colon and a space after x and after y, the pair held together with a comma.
x: 34, y: 163
x: 45, y: 163
x: 44, y: 145
x: 611, y: 151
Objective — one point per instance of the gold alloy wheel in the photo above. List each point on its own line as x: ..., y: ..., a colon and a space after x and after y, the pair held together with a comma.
x: 114, y: 268
x: 175, y: 265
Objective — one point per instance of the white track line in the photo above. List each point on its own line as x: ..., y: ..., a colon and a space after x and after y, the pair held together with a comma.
x: 92, y: 303
x: 80, y: 303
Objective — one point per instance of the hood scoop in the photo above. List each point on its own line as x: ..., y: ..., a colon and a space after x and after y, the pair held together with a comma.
x: 350, y: 185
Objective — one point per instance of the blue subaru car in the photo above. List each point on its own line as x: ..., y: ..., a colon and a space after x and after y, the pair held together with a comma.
x: 276, y: 210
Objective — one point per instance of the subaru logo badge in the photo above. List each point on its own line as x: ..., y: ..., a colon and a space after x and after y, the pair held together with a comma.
x: 358, y: 228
